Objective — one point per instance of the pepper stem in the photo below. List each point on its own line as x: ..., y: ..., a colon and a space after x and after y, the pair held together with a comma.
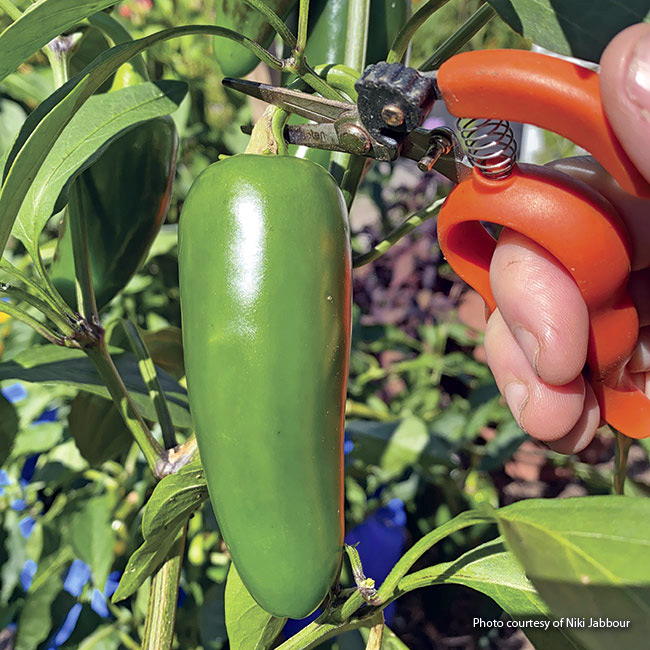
x: 267, y: 138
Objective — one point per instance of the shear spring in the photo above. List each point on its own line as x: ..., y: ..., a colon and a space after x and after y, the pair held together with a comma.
x: 491, y: 145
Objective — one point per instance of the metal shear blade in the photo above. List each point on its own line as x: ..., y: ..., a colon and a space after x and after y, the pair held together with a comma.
x: 308, y: 106
x: 338, y: 127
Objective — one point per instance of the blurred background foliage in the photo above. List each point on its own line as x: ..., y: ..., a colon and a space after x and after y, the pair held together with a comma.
x: 427, y: 435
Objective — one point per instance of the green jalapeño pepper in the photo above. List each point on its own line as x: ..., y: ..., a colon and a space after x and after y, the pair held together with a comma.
x: 265, y: 281
x: 123, y: 198
x: 234, y: 59
x: 328, y: 23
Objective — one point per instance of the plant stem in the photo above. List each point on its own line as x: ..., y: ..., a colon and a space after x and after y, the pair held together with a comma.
x: 463, y: 520
x: 163, y: 596
x: 45, y: 308
x: 37, y: 326
x: 151, y: 448
x: 52, y: 292
x: 36, y: 290
x: 403, y: 38
x: 275, y: 21
x: 623, y: 444
x: 57, y: 52
x: 150, y: 377
x: 357, y: 34
x: 10, y: 9
x: 460, y: 37
x: 345, y: 168
x: 401, y: 231
x: 267, y: 137
x: 376, y: 635
x: 301, y: 41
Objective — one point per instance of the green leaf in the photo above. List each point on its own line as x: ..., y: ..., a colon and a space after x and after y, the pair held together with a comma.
x: 8, y: 427
x: 12, y: 116
x: 92, y: 537
x: 103, y: 638
x: 54, y: 364
x: 495, y: 572
x: 588, y: 559
x: 249, y: 626
x: 45, y: 124
x: 173, y: 500
x: 101, y: 120
x: 35, y: 622
x: 395, y: 446
x: 16, y: 550
x: 42, y: 22
x: 37, y: 439
x: 98, y: 429
x: 580, y: 28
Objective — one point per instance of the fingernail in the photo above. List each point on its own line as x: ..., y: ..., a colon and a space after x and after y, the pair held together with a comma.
x: 529, y: 344
x: 638, y: 76
x: 516, y: 395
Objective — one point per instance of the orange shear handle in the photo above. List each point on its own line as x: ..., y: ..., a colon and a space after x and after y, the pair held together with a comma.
x: 538, y: 89
x: 584, y: 233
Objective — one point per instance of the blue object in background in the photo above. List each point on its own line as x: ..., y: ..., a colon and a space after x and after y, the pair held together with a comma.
x: 4, y: 481
x: 18, y: 505
x: 14, y: 392
x: 27, y: 574
x: 98, y: 604
x: 26, y: 525
x: 27, y: 473
x: 380, y: 541
x: 112, y: 583
x: 48, y: 415
x: 77, y: 577
x: 67, y: 628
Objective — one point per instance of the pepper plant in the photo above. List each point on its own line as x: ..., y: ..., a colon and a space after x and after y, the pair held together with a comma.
x: 105, y: 516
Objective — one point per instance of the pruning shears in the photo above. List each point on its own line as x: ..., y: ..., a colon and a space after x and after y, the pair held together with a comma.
x: 563, y: 215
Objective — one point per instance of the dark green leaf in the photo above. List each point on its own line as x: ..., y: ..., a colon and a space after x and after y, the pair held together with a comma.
x: 588, y: 559
x: 165, y: 345
x: 580, y: 28
x: 41, y: 23
x: 98, y: 429
x: 8, y: 427
x: 50, y: 363
x: 395, y: 446
x: 45, y: 124
x: 501, y: 448
x: 212, y: 618
x: 99, y: 121
x: 174, y: 499
x: 249, y: 626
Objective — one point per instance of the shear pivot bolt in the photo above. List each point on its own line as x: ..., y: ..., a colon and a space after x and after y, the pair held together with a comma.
x: 392, y: 115
x: 354, y: 139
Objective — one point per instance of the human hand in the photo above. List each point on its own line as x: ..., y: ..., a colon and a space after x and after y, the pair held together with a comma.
x: 536, y: 340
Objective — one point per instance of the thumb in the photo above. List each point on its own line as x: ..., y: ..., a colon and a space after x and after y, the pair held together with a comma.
x: 625, y: 92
